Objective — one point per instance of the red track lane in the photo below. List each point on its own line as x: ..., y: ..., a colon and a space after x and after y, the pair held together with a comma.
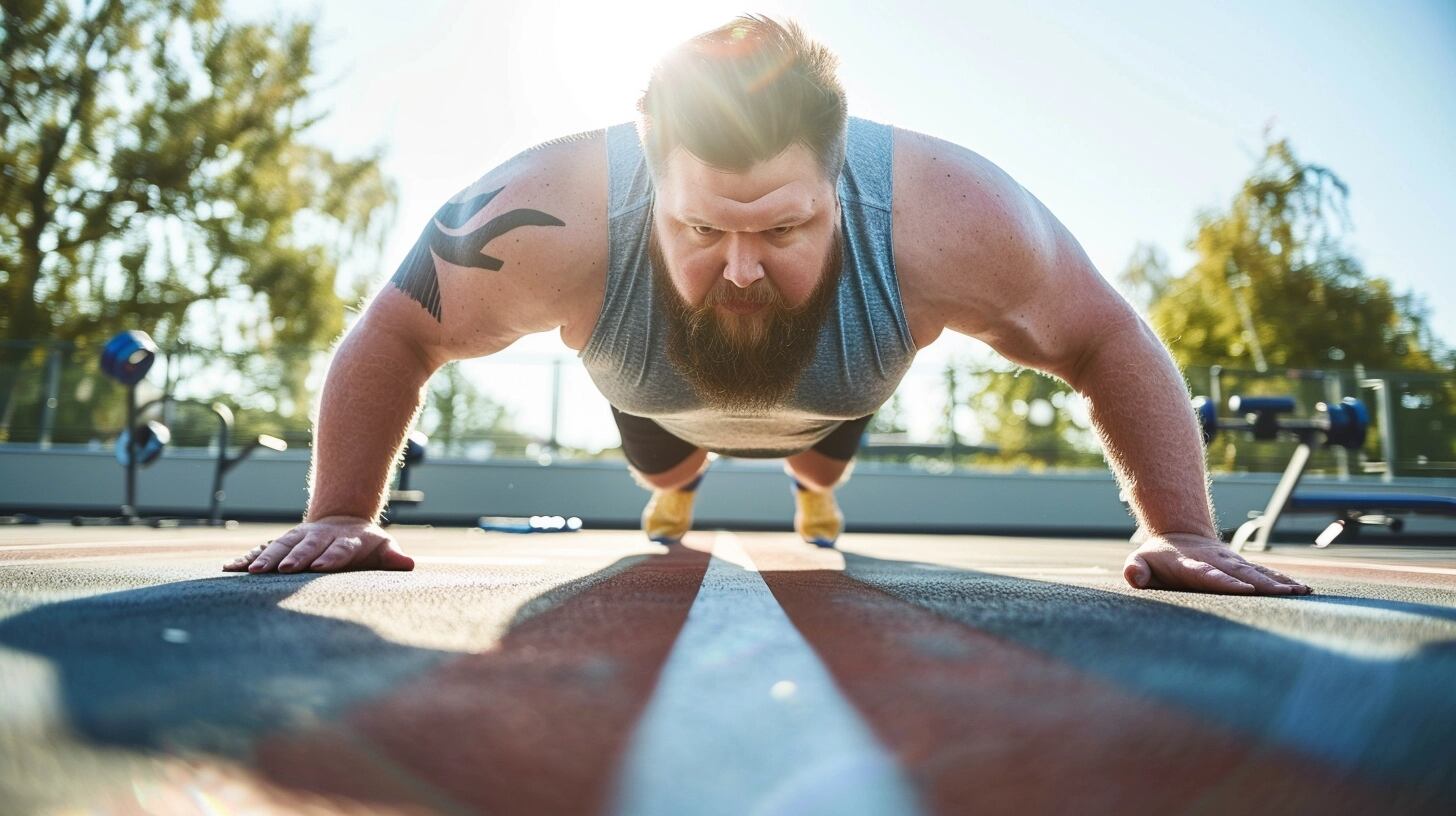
x: 985, y: 725
x: 536, y: 725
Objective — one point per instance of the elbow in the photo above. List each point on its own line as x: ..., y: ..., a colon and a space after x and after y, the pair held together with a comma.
x: 1122, y: 341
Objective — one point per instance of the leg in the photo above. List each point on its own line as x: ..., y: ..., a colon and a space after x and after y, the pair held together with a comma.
x: 816, y: 473
x: 668, y: 466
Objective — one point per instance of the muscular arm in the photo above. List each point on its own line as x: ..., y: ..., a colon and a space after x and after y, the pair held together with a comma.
x: 983, y: 257
x: 520, y: 251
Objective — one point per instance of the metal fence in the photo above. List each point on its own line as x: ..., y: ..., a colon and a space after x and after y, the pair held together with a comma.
x: 546, y: 408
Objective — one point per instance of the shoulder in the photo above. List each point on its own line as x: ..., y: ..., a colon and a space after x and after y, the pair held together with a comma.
x: 978, y: 254
x: 967, y: 235
x: 522, y: 249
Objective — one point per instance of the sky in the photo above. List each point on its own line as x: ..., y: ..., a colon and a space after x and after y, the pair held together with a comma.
x: 1126, y: 118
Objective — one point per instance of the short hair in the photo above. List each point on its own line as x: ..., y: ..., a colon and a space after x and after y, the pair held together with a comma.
x: 742, y: 94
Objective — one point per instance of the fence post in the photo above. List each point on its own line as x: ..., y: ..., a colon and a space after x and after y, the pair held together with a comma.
x: 555, y: 403
x: 1333, y: 382
x: 52, y: 394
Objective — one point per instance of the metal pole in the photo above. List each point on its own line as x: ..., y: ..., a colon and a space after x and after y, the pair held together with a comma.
x: 1333, y: 383
x: 128, y: 509
x: 1387, y: 430
x: 555, y: 402
x: 52, y: 392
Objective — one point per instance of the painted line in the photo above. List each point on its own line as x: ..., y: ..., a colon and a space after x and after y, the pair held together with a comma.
x: 1329, y: 562
x: 81, y: 545
x: 118, y: 558
x: 746, y: 719
x: 537, y: 724
x: 985, y: 724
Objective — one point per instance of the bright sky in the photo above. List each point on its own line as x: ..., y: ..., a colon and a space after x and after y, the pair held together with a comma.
x: 1125, y: 117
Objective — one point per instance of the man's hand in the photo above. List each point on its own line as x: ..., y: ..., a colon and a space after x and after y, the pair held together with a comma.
x: 331, y: 544
x: 1198, y: 564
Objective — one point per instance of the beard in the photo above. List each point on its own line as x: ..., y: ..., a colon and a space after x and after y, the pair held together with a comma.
x: 743, y: 363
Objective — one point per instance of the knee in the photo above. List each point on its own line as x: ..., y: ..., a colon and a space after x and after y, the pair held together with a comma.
x: 817, y: 471
x: 675, y: 477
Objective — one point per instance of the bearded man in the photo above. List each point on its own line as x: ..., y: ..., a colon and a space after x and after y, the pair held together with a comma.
x: 748, y: 270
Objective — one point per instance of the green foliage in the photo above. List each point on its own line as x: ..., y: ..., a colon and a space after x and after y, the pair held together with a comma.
x: 154, y: 176
x: 1274, y: 285
x: 457, y: 414
x: 1273, y: 289
x: 1032, y: 421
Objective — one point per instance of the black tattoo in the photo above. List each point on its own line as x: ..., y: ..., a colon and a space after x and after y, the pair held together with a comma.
x: 417, y: 276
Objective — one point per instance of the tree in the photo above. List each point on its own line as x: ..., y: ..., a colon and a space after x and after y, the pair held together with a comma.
x: 457, y: 413
x: 1274, y: 290
x: 1274, y: 286
x: 154, y: 176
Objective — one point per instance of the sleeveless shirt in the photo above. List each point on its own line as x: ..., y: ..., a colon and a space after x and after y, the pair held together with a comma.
x: 864, y: 346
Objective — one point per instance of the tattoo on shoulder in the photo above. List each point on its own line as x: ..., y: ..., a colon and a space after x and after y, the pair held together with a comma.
x: 417, y: 276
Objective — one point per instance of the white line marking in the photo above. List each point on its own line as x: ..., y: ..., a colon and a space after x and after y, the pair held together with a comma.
x: 119, y: 559
x: 1330, y: 562
x: 81, y: 545
x: 745, y: 719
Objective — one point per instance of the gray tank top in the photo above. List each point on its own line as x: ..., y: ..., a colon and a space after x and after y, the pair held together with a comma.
x: 864, y: 347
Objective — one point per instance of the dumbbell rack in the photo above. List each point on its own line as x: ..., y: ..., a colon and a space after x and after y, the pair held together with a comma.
x: 128, y: 515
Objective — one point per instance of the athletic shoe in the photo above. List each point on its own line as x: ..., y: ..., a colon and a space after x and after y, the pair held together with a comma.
x: 668, y: 515
x: 817, y: 519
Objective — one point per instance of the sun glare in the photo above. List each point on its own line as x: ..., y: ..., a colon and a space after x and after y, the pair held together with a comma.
x: 601, y: 54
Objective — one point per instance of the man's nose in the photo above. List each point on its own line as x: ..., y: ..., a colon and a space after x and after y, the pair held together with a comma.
x: 743, y: 266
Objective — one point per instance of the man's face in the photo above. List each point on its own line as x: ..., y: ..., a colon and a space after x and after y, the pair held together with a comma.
x: 747, y: 265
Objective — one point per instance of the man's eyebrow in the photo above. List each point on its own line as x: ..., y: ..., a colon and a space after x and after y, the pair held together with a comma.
x: 784, y: 216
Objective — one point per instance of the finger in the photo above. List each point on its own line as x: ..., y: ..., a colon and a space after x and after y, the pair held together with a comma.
x: 304, y: 553
x: 1205, y: 577
x: 272, y: 554
x: 1136, y: 572
x: 241, y: 562
x: 391, y: 557
x: 1263, y: 584
x: 1299, y: 588
x: 340, y: 554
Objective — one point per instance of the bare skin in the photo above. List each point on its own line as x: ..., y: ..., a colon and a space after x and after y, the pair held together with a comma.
x: 974, y: 252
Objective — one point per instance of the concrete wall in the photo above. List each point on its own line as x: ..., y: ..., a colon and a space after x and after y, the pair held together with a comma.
x: 737, y: 493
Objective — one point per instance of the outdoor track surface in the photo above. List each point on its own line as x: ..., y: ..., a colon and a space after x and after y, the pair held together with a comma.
x: 566, y: 674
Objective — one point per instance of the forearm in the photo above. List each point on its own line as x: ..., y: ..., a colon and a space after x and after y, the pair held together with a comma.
x: 1140, y: 410
x: 374, y: 388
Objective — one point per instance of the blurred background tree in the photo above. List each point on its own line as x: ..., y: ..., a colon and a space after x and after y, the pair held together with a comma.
x: 153, y: 175
x: 462, y: 421
x: 1274, y: 292
x: 1274, y: 284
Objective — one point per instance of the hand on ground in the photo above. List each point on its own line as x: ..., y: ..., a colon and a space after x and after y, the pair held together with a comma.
x: 331, y: 544
x: 1198, y: 564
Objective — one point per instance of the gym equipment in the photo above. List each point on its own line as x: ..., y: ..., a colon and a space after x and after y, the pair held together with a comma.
x: 534, y: 524
x: 127, y: 358
x: 1343, y: 424
x: 414, y: 453
x: 145, y: 446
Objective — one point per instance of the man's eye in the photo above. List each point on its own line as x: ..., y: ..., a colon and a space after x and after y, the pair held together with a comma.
x: 782, y: 230
x: 704, y: 231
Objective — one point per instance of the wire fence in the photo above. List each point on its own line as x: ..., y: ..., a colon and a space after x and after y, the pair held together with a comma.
x: 546, y: 408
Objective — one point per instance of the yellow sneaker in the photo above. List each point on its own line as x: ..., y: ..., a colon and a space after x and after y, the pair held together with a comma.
x: 668, y: 515
x: 817, y: 519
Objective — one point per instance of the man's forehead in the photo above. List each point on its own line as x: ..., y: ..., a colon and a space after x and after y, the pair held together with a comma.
x: 788, y: 187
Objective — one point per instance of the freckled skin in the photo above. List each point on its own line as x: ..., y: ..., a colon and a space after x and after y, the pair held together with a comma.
x: 974, y: 253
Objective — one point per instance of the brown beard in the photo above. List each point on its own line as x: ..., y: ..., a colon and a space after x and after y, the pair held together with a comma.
x: 730, y: 367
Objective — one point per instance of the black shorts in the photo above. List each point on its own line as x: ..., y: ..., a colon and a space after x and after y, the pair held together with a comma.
x: 651, y: 448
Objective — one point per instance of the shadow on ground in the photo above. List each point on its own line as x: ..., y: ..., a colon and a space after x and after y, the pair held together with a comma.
x: 993, y: 691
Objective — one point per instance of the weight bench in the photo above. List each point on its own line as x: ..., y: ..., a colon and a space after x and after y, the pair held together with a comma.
x: 1342, y: 424
x: 1357, y: 509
